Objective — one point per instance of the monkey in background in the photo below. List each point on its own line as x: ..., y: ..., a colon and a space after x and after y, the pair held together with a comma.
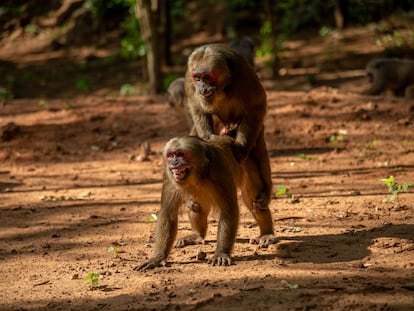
x: 177, y: 100
x: 245, y: 47
x: 396, y: 75
x: 204, y: 172
x: 221, y: 85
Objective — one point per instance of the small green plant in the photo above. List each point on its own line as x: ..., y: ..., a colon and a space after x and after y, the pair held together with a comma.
x: 290, y: 285
x: 282, y: 190
x: 114, y: 249
x: 334, y: 139
x: 303, y: 156
x: 394, y: 188
x: 152, y: 218
x: 127, y: 90
x: 93, y: 278
x: 326, y: 31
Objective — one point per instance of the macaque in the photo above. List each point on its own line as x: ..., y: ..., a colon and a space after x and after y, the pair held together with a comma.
x: 394, y: 74
x: 221, y: 86
x: 245, y: 47
x: 204, y: 172
x: 178, y: 100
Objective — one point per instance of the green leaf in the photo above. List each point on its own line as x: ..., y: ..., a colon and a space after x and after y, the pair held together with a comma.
x: 289, y: 285
x: 93, y: 277
x: 388, y: 181
x: 281, y: 190
x: 152, y: 218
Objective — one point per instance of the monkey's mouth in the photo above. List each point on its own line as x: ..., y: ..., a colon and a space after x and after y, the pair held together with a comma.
x: 207, y: 95
x: 180, y: 173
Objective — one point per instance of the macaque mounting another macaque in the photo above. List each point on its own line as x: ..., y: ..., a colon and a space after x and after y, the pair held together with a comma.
x: 221, y: 86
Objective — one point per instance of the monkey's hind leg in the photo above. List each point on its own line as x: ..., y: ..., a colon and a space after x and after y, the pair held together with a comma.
x: 198, y: 220
x: 251, y: 186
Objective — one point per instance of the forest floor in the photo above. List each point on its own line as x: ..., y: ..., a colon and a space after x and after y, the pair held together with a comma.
x: 75, y: 201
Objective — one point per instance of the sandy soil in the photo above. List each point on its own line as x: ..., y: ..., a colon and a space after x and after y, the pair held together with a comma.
x: 75, y: 200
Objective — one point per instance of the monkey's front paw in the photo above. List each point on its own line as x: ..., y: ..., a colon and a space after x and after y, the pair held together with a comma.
x: 264, y: 240
x: 221, y: 260
x: 193, y: 239
x: 151, y: 264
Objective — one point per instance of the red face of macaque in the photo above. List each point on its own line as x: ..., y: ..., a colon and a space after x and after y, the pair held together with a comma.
x: 205, y: 83
x: 178, y: 162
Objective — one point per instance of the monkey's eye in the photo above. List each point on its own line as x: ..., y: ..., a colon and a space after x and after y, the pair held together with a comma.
x: 207, y: 78
x: 180, y: 154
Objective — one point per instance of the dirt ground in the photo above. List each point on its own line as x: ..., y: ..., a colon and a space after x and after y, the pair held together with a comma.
x: 75, y: 200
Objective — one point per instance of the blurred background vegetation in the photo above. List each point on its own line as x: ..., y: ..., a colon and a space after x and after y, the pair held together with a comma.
x: 88, y: 43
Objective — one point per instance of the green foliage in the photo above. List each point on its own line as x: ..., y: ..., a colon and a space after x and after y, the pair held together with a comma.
x: 127, y: 90
x: 83, y: 84
x: 114, y: 249
x: 296, y: 14
x: 290, y: 285
x: 93, y: 278
x: 32, y: 29
x: 132, y: 45
x: 334, y: 139
x: 303, y: 156
x: 105, y: 8
x: 326, y: 31
x: 394, y: 188
x: 282, y: 190
x: 5, y: 94
x: 152, y: 218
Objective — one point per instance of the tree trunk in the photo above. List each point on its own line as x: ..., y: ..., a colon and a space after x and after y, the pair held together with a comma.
x: 148, y: 13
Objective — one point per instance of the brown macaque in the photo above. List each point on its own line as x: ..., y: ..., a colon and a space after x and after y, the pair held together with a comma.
x: 222, y: 86
x: 396, y: 75
x: 245, y: 47
x: 178, y: 100
x: 204, y: 172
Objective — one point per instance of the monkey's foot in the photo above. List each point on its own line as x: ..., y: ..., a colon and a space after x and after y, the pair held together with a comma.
x: 151, y: 264
x: 264, y: 240
x: 192, y: 239
x: 221, y: 260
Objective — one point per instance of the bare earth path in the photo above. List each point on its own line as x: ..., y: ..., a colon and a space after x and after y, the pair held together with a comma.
x: 71, y: 189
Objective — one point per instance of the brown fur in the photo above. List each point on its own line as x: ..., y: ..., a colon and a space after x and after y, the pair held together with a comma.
x: 396, y: 75
x: 211, y: 182
x: 221, y: 85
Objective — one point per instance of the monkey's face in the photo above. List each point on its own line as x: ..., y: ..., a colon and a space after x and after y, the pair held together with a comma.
x: 209, y: 73
x: 179, y: 164
x: 205, y: 83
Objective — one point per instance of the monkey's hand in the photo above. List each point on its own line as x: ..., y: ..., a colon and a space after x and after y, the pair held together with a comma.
x: 221, y: 260
x: 264, y: 240
x: 152, y: 263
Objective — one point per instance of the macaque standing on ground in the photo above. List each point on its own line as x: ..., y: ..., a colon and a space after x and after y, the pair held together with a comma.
x: 204, y: 172
x: 396, y: 75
